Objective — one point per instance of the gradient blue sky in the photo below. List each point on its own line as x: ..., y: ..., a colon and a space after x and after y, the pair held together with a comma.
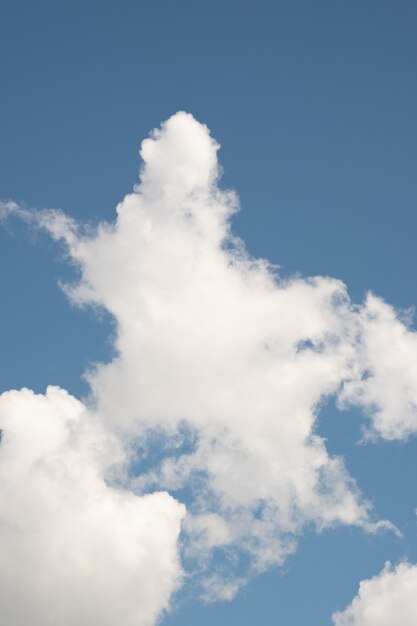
x: 314, y: 104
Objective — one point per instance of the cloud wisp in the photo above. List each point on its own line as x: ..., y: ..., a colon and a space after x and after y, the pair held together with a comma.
x: 225, y: 366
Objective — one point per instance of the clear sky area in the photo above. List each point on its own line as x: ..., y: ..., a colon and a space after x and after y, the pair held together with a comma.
x: 280, y: 408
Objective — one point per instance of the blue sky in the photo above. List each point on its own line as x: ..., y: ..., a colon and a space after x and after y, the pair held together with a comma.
x: 314, y: 107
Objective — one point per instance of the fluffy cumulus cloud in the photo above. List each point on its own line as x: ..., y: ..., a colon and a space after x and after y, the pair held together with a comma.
x: 76, y: 551
x: 221, y: 370
x: 387, y: 388
x: 386, y: 599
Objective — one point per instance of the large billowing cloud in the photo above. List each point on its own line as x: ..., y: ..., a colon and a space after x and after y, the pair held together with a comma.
x: 387, y: 599
x: 222, y: 366
x: 76, y: 551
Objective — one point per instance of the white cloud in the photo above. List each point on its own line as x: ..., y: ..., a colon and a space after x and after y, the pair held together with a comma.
x: 387, y: 388
x: 212, y: 339
x: 226, y: 366
x: 74, y: 550
x: 387, y: 599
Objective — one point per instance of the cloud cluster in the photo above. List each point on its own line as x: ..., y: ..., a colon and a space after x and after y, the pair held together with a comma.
x: 221, y: 370
x: 75, y: 550
x: 212, y: 343
x: 388, y: 598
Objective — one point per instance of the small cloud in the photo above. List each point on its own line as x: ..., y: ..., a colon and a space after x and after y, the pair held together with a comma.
x: 388, y: 598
